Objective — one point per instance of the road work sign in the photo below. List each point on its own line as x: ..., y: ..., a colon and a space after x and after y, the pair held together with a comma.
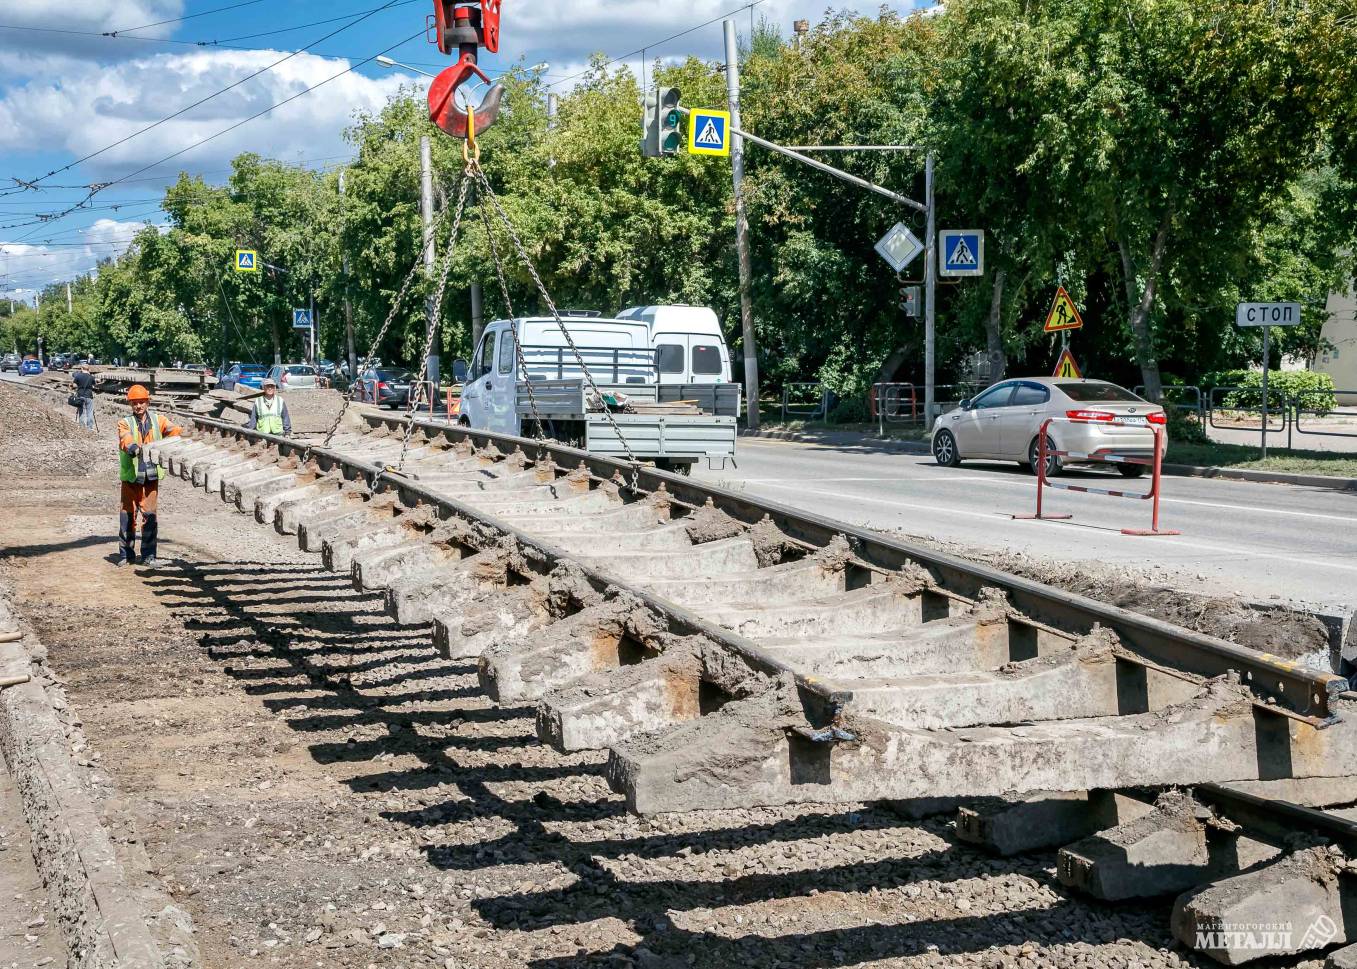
x: 247, y: 261
x: 708, y: 132
x: 963, y: 252
x: 301, y: 319
x: 1063, y: 314
x: 1267, y: 314
x: 1066, y: 367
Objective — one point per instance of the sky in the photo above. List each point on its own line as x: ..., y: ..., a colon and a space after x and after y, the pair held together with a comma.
x: 79, y: 82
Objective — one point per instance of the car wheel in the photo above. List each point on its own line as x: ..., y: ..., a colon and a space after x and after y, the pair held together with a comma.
x: 1131, y: 470
x: 945, y: 450
x: 1052, y: 460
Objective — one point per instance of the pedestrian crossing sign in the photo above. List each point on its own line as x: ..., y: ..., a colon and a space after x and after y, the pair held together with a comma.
x: 1066, y: 367
x: 963, y: 252
x: 1063, y: 314
x: 708, y: 132
x: 247, y: 261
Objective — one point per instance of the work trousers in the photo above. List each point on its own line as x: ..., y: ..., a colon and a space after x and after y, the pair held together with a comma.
x: 138, y: 499
x: 85, y: 412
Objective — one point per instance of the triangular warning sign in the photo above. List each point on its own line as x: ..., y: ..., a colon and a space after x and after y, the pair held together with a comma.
x: 1066, y: 367
x: 1063, y: 315
x: 961, y: 254
x: 709, y: 135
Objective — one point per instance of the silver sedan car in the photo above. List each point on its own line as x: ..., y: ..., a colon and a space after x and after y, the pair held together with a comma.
x: 1094, y: 417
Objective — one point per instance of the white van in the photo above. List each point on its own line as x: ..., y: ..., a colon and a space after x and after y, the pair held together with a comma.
x: 691, y: 348
x: 621, y: 362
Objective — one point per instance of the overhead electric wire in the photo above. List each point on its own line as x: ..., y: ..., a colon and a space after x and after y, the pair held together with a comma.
x: 643, y: 49
x: 190, y: 16
x: 218, y: 93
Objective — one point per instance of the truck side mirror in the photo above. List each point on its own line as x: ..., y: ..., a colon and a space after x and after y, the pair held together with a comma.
x: 459, y: 370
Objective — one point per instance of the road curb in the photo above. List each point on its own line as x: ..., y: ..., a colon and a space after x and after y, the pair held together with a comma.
x: 850, y: 439
x: 1331, y: 482
x: 100, y: 912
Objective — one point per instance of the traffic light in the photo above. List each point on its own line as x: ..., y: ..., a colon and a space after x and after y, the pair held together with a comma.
x: 670, y: 138
x: 909, y: 300
x: 650, y: 125
x: 660, y: 133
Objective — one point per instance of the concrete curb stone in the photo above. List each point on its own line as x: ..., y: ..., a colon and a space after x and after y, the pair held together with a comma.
x: 100, y: 918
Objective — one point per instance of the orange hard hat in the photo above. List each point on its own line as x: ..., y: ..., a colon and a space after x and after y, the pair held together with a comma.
x: 138, y: 392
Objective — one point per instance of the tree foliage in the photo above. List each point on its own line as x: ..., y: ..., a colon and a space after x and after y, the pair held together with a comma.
x: 1161, y: 158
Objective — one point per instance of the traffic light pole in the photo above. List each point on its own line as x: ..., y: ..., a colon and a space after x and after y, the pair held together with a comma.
x: 751, y: 355
x: 930, y: 296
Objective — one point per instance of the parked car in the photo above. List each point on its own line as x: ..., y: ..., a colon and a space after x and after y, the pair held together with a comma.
x: 1002, y: 423
x: 199, y: 368
x: 243, y: 376
x: 385, y: 387
x: 294, y: 376
x: 30, y: 367
x: 10, y: 361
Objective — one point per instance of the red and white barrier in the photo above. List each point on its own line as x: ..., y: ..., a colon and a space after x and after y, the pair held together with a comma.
x: 1155, y: 462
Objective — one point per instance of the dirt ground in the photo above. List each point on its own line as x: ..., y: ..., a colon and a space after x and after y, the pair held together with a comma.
x: 28, y: 929
x: 318, y: 788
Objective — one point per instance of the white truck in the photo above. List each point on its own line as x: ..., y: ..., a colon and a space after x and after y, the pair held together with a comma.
x: 674, y: 423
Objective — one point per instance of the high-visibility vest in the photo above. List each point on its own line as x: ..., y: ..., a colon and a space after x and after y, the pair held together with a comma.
x: 127, y: 465
x: 269, y: 417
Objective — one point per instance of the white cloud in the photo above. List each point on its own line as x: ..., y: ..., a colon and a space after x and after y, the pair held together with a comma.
x: 87, y: 16
x: 93, y: 106
x: 25, y: 268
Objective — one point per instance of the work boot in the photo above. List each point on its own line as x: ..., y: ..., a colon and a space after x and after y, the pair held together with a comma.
x: 149, y: 562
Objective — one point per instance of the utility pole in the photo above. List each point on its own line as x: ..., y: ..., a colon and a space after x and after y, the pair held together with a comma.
x: 426, y: 216
x: 930, y: 294
x: 751, y: 353
x: 552, y: 104
x: 348, y: 308
x: 68, y: 298
x: 477, y: 315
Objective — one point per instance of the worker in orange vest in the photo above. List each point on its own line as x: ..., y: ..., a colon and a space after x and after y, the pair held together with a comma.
x: 140, y: 478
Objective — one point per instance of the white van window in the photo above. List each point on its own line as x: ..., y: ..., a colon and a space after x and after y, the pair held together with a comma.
x: 506, y: 351
x: 480, y: 363
x: 706, y: 359
x: 670, y: 358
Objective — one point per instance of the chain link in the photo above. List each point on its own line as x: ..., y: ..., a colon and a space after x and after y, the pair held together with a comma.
x: 484, y: 184
x: 538, y: 430
x: 412, y: 401
x: 381, y: 334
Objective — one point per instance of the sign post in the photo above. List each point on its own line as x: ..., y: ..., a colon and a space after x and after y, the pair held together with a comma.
x: 304, y: 319
x: 1266, y: 315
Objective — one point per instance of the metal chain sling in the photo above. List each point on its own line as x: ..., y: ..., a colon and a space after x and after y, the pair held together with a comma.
x: 412, y: 402
x: 538, y: 430
x: 484, y: 184
x: 376, y: 342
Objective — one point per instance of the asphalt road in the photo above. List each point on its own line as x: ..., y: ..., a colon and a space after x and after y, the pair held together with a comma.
x: 1259, y: 540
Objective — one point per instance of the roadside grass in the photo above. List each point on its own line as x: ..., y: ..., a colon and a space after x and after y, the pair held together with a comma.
x: 1245, y: 457
x: 772, y: 424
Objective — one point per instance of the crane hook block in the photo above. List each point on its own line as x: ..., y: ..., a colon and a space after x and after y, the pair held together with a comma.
x: 460, y: 24
x: 443, y: 108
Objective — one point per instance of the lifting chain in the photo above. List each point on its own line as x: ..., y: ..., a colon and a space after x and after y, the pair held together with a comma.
x: 484, y: 183
x: 377, y: 341
x: 538, y: 430
x: 412, y: 399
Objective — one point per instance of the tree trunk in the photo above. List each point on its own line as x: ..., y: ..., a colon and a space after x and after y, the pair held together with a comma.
x: 994, y: 337
x: 277, y: 347
x: 1140, y: 303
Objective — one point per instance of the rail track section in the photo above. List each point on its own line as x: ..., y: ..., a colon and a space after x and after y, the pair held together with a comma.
x: 732, y: 653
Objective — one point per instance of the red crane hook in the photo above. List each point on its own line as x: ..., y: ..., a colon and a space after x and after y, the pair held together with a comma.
x: 469, y: 28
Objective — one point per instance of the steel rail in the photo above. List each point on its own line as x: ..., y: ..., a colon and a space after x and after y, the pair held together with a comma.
x: 1301, y: 690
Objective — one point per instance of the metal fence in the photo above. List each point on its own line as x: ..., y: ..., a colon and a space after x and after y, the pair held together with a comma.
x: 1187, y: 398
x: 805, y: 401
x: 1314, y: 413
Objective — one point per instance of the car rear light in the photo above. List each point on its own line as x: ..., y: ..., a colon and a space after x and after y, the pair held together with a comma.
x: 1158, y: 417
x: 381, y: 385
x: 1091, y: 416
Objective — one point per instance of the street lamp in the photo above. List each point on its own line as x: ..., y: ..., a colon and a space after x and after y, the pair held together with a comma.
x: 385, y: 61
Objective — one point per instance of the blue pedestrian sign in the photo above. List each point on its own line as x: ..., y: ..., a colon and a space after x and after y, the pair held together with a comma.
x: 708, y: 132
x: 301, y: 319
x: 247, y: 261
x: 963, y: 252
